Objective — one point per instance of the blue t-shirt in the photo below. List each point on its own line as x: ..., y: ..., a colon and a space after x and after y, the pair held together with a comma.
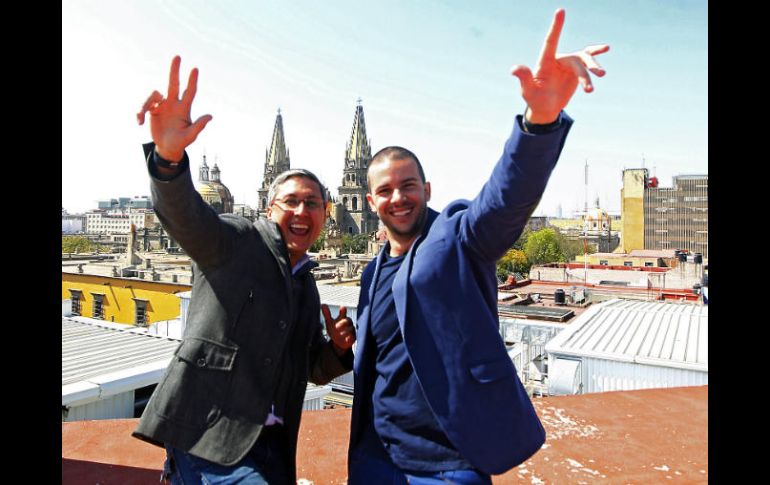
x: 399, y: 413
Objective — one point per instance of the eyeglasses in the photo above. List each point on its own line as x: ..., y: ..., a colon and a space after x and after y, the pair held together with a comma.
x: 292, y: 203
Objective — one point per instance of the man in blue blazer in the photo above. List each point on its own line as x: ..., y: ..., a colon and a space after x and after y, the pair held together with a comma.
x: 437, y: 398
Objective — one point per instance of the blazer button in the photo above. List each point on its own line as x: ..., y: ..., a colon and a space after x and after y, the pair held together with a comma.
x: 268, y: 361
x: 282, y: 325
x: 201, y: 362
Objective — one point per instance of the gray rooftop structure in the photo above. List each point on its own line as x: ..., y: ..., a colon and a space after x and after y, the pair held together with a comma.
x: 100, y: 359
x: 666, y: 334
x: 626, y: 345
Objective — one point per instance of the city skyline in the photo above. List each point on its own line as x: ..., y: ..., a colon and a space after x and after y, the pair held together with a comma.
x: 433, y: 77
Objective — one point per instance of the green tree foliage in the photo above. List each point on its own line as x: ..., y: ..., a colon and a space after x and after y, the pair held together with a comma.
x: 80, y: 244
x: 522, y: 240
x: 545, y: 246
x: 354, y: 243
x: 514, y: 261
x: 319, y: 243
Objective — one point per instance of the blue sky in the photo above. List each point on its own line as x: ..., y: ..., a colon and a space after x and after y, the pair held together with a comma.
x: 434, y: 76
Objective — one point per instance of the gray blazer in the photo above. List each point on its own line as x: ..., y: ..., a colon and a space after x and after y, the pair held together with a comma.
x: 218, y: 389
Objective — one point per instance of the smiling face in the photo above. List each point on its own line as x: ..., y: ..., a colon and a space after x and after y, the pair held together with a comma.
x: 299, y: 211
x: 399, y: 197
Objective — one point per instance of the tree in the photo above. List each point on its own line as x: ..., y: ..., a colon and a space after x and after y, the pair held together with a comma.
x: 354, y: 243
x: 77, y: 244
x: 544, y: 246
x: 522, y: 240
x: 514, y: 261
x: 319, y: 243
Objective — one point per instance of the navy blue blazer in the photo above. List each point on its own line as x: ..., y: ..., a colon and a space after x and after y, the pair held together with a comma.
x: 446, y: 302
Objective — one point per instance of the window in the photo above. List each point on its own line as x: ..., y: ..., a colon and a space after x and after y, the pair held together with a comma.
x: 98, y: 310
x: 603, y: 262
x: 648, y: 264
x: 628, y: 263
x: 140, y: 313
x: 77, y: 297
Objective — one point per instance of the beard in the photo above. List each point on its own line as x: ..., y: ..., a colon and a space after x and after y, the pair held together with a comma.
x: 412, y: 230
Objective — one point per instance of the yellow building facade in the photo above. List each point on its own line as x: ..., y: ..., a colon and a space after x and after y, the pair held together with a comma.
x: 122, y: 300
x: 632, y: 210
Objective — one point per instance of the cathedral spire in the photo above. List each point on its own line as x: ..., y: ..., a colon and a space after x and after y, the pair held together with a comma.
x: 358, y: 151
x: 277, y: 156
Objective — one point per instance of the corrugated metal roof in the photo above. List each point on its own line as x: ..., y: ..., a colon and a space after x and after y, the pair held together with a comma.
x: 654, y: 333
x: 339, y: 295
x: 90, y: 350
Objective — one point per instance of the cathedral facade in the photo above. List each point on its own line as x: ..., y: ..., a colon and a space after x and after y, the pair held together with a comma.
x: 349, y: 213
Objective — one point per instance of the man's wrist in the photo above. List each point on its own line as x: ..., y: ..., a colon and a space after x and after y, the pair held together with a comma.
x: 167, y: 163
x: 532, y: 124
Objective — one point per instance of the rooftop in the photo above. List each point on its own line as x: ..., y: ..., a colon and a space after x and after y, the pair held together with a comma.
x: 100, y: 359
x: 648, y: 332
x: 646, y: 436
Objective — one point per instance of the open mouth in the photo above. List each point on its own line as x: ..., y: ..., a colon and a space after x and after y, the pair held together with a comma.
x: 402, y: 212
x: 299, y: 229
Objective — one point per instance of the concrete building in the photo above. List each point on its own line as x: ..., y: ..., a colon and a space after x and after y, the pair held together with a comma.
x: 657, y: 217
x: 123, y: 204
x: 653, y: 279
x: 638, y: 258
x: 102, y: 221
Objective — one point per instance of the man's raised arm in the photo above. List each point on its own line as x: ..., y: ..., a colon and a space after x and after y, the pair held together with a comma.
x: 187, y: 218
x: 498, y: 214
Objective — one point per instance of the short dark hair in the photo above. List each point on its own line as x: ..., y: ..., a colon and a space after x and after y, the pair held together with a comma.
x: 296, y: 172
x: 395, y: 153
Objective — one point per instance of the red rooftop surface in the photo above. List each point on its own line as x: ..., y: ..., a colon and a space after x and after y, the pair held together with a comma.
x: 645, y: 436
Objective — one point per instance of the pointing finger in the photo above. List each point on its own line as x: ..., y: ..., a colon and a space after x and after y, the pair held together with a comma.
x: 173, y: 78
x: 343, y: 312
x: 552, y: 39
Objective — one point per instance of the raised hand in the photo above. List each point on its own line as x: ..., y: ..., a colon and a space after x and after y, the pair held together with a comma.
x: 340, y: 329
x: 171, y: 126
x: 556, y: 77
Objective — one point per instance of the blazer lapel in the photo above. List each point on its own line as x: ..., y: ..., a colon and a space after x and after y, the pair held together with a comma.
x: 274, y: 242
x: 363, y: 322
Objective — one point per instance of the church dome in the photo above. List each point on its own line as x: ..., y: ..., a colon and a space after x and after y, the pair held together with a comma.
x: 596, y: 214
x: 213, y: 191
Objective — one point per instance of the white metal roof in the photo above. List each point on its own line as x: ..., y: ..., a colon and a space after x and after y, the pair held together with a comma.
x: 99, y: 360
x: 653, y: 333
x: 346, y: 296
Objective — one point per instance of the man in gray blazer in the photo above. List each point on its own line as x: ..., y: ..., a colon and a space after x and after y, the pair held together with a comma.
x: 228, y: 408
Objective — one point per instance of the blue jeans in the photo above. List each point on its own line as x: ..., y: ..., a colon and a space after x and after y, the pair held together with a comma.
x: 366, y: 469
x: 264, y: 464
